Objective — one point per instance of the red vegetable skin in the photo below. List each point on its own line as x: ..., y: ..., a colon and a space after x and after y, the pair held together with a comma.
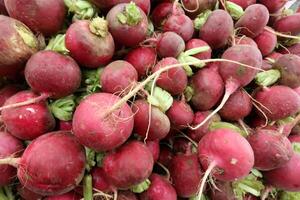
x: 195, y: 43
x: 245, y: 40
x: 289, y: 24
x: 243, y: 3
x: 126, y: 195
x: 65, y: 125
x: 180, y: 114
x: 266, y: 42
x: 162, y: 11
x: 3, y: 10
x: 170, y: 44
x: 294, y: 49
x: 273, y: 5
x: 6, y: 92
x: 165, y: 156
x: 27, y: 194
x: 154, y: 148
x: 68, y: 196
x: 195, y: 7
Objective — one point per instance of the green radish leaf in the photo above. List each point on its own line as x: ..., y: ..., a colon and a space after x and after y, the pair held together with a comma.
x: 63, y: 108
x: 57, y: 44
x: 197, y: 50
x: 188, y: 93
x: 267, y: 78
x: 201, y: 19
x: 284, y: 195
x: 139, y: 188
x: 160, y: 98
x: 296, y: 147
x: 235, y: 11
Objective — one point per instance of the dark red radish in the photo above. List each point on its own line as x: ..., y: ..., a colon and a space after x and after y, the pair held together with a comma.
x: 27, y: 194
x: 170, y: 44
x: 266, y: 41
x: 126, y: 19
x: 186, y: 174
x: 244, y: 40
x: 294, y: 49
x: 52, y: 74
x: 142, y: 59
x: 100, y: 181
x: 224, y: 191
x: 30, y: 121
x: 238, y: 106
x: 18, y: 43
x: 273, y: 5
x: 278, y: 102
x: 159, y: 126
x: 288, y: 65
x: 9, y: 146
x: 7, y: 91
x: 181, y: 145
x: 129, y: 165
x: 206, y: 95
x: 289, y: 24
x: 65, y: 125
x: 266, y: 65
x: 243, y: 3
x: 126, y: 195
x: 195, y: 7
x: 165, y: 156
x: 3, y: 10
x: 160, y: 188
x: 42, y: 17
x: 195, y: 43
x: 254, y: 20
x: 173, y: 80
x: 197, y: 134
x: 217, y: 29
x: 275, y: 55
x: 271, y: 149
x: 90, y: 43
x: 180, y: 24
x: 162, y: 11
x: 180, y: 114
x: 96, y: 130
x: 68, y: 196
x: 118, y: 77
x: 154, y: 148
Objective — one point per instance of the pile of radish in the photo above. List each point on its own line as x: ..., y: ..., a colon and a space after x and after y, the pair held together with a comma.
x: 149, y: 100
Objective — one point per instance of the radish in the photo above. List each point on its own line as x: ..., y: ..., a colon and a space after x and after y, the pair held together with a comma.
x: 217, y: 30
x: 170, y: 44
x: 266, y: 42
x: 117, y: 77
x: 65, y: 125
x: 15, y: 53
x: 180, y: 114
x: 162, y: 11
x: 288, y: 65
x: 195, y: 7
x: 289, y: 24
x: 27, y: 194
x: 127, y: 19
x: 160, y: 188
x: 50, y: 175
x: 156, y: 128
x: 224, y: 191
x: 30, y: 121
x: 9, y: 146
x: 36, y: 14
x: 245, y: 40
x: 195, y: 43
x: 126, y: 195
x: 96, y: 129
x: 277, y: 106
x: 3, y: 10
x: 181, y: 145
x: 165, y: 156
x: 254, y: 20
x: 90, y: 43
x: 142, y: 59
x: 273, y: 5
x: 206, y: 95
x: 173, y: 80
x: 243, y: 3
x: 129, y: 165
x: 186, y: 174
x: 7, y: 91
x: 294, y: 49
x: 271, y: 149
x: 67, y: 196
x: 154, y: 148
x: 100, y: 181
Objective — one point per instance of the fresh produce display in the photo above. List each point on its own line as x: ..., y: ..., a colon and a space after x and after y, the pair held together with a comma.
x: 149, y: 100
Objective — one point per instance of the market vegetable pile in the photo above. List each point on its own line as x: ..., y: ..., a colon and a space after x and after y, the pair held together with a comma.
x: 149, y: 100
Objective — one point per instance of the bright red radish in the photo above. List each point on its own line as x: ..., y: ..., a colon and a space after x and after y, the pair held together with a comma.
x: 170, y: 44
x: 289, y: 24
x: 180, y: 114
x: 96, y: 130
x: 68, y: 196
x: 243, y: 3
x: 9, y: 146
x: 294, y: 49
x: 162, y: 11
x: 126, y: 19
x: 154, y: 148
x: 90, y: 43
x: 36, y: 14
x: 165, y: 156
x: 244, y: 40
x: 30, y: 121
x: 100, y: 181
x: 129, y: 165
x: 266, y: 41
x: 7, y: 91
x: 273, y: 5
x: 27, y: 194
x: 142, y: 59
x: 195, y: 43
x: 117, y: 77
x: 159, y: 125
x: 195, y: 7
x: 65, y: 125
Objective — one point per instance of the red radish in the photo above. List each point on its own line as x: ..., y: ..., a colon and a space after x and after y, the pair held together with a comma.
x: 15, y: 53
x: 165, y: 156
x: 273, y: 5
x: 173, y: 80
x: 3, y: 10
x: 289, y: 24
x: 67, y: 196
x: 100, y: 181
x: 65, y: 125
x: 126, y: 19
x: 90, y: 43
x: 238, y: 106
x: 160, y: 188
x: 195, y: 7
x: 197, y: 134
x: 206, y: 95
x: 195, y: 43
x: 271, y: 149
x: 266, y: 42
x: 288, y: 65
x: 224, y: 191
x: 245, y: 40
x: 42, y: 17
x: 186, y: 174
x: 159, y: 125
x: 294, y: 49
x: 217, y: 29
x: 254, y: 20
x: 180, y: 114
x: 118, y: 76
x: 162, y: 11
x: 275, y: 55
x: 154, y: 148
x: 170, y: 44
x: 142, y: 59
x: 129, y: 165
x: 9, y: 146
x: 27, y: 194
x: 276, y: 105
x: 266, y: 65
x: 7, y: 91
x: 180, y: 24
x: 126, y: 195
x: 243, y: 3
x: 96, y: 130
x: 181, y: 145
x: 30, y: 121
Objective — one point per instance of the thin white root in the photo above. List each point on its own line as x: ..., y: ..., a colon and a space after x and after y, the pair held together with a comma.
x: 282, y: 34
x: 165, y: 169
x: 211, y: 166
x: 10, y: 161
x: 241, y: 122
x: 115, y: 194
x: 188, y: 10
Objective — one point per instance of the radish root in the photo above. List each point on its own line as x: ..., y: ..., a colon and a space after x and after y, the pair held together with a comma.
x: 211, y: 166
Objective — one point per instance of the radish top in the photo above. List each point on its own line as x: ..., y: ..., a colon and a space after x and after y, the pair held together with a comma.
x: 131, y: 15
